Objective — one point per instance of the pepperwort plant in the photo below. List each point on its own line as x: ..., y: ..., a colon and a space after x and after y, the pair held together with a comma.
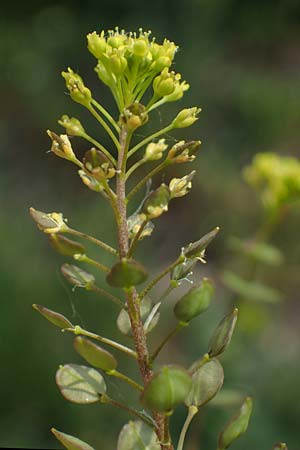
x: 136, y: 69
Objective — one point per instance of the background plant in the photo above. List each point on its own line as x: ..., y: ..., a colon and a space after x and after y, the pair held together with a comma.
x: 129, y: 64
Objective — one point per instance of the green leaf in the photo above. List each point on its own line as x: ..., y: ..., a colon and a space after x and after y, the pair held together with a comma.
x: 206, y: 383
x: 222, y: 336
x: 137, y: 436
x: 54, y: 317
x: 78, y: 277
x: 80, y: 384
x: 94, y: 354
x: 70, y: 442
x: 126, y: 273
x: 259, y: 251
x: 251, y: 290
x: 168, y: 387
x: 194, y: 302
x: 237, y: 426
x: 66, y: 246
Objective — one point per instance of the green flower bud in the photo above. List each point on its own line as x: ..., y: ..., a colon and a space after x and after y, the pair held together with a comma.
x: 96, y: 44
x: 168, y: 387
x: 280, y: 446
x: 94, y: 354
x: 157, y: 202
x: 207, y: 380
x: 134, y: 116
x: 118, y: 64
x: 183, y: 151
x: 237, y: 426
x: 54, y: 317
x: 178, y: 92
x: 197, y: 249
x: 70, y: 442
x: 49, y: 223
x: 66, y: 246
x: 90, y: 182
x: 140, y: 48
x: 164, y: 84
x: 161, y: 63
x: 98, y: 165
x: 186, y: 118
x: 78, y: 277
x: 78, y: 91
x: 181, y: 186
x: 154, y: 150
x: 61, y: 146
x: 194, y: 302
x: 72, y: 125
x: 223, y: 334
x: 126, y: 273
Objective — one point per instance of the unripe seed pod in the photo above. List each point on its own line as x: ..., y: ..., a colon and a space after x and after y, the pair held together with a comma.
x: 97, y: 164
x: 66, y: 246
x: 223, y: 334
x: 94, y: 354
x: 196, y: 249
x: 194, y: 302
x: 157, y: 202
x: 55, y: 318
x: 70, y: 442
x: 237, y: 426
x: 126, y: 273
x: 168, y: 387
x: 78, y: 277
x: 181, y: 271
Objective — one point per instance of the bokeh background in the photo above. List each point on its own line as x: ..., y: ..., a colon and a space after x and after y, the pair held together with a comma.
x: 242, y: 61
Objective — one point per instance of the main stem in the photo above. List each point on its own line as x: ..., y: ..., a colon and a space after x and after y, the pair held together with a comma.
x: 131, y: 294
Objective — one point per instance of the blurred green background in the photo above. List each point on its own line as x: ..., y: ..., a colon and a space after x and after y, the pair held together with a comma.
x: 242, y: 61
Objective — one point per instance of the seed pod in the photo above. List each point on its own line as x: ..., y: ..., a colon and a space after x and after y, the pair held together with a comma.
x: 280, y: 446
x: 196, y: 249
x: 49, y: 223
x: 168, y: 387
x: 66, y: 246
x: 54, y: 317
x: 98, y: 165
x: 94, y: 354
x: 183, y: 270
x: 137, y: 435
x: 223, y: 334
x: 78, y: 277
x: 126, y: 273
x: 237, y: 426
x: 157, y: 202
x: 134, y: 116
x: 194, y: 302
x: 206, y: 383
x: 70, y: 442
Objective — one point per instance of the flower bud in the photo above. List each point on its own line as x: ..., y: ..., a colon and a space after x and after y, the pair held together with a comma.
x: 237, y: 426
x: 168, y: 387
x: 157, y: 202
x: 61, y: 146
x: 178, y: 92
x: 54, y: 317
x: 94, y: 354
x: 140, y: 48
x: 223, y: 334
x: 66, y: 246
x: 118, y: 64
x: 134, y: 116
x: 194, y: 302
x: 186, y: 117
x: 90, y: 182
x: 126, y: 273
x: 72, y: 125
x: 70, y: 442
x: 98, y: 165
x: 49, y: 223
x: 78, y: 91
x: 78, y: 277
x: 155, y: 151
x: 197, y: 249
x: 164, y: 84
x: 96, y: 44
x: 183, y: 151
x: 207, y: 380
x: 181, y: 186
x: 161, y: 63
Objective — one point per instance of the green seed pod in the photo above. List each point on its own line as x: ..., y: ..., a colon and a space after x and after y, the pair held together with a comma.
x: 168, y: 387
x: 206, y: 383
x: 94, y: 354
x: 49, y: 223
x: 157, y: 202
x: 183, y: 151
x: 70, y: 442
x: 196, y: 249
x: 134, y: 116
x: 137, y: 435
x: 194, y: 302
x: 55, y: 318
x: 126, y: 273
x: 66, y: 246
x: 72, y: 125
x: 183, y: 270
x: 78, y: 91
x: 280, y: 446
x: 78, y: 277
x: 237, y: 426
x: 98, y: 165
x: 223, y: 334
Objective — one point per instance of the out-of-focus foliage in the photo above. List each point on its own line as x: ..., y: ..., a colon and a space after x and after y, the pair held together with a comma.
x: 242, y: 59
